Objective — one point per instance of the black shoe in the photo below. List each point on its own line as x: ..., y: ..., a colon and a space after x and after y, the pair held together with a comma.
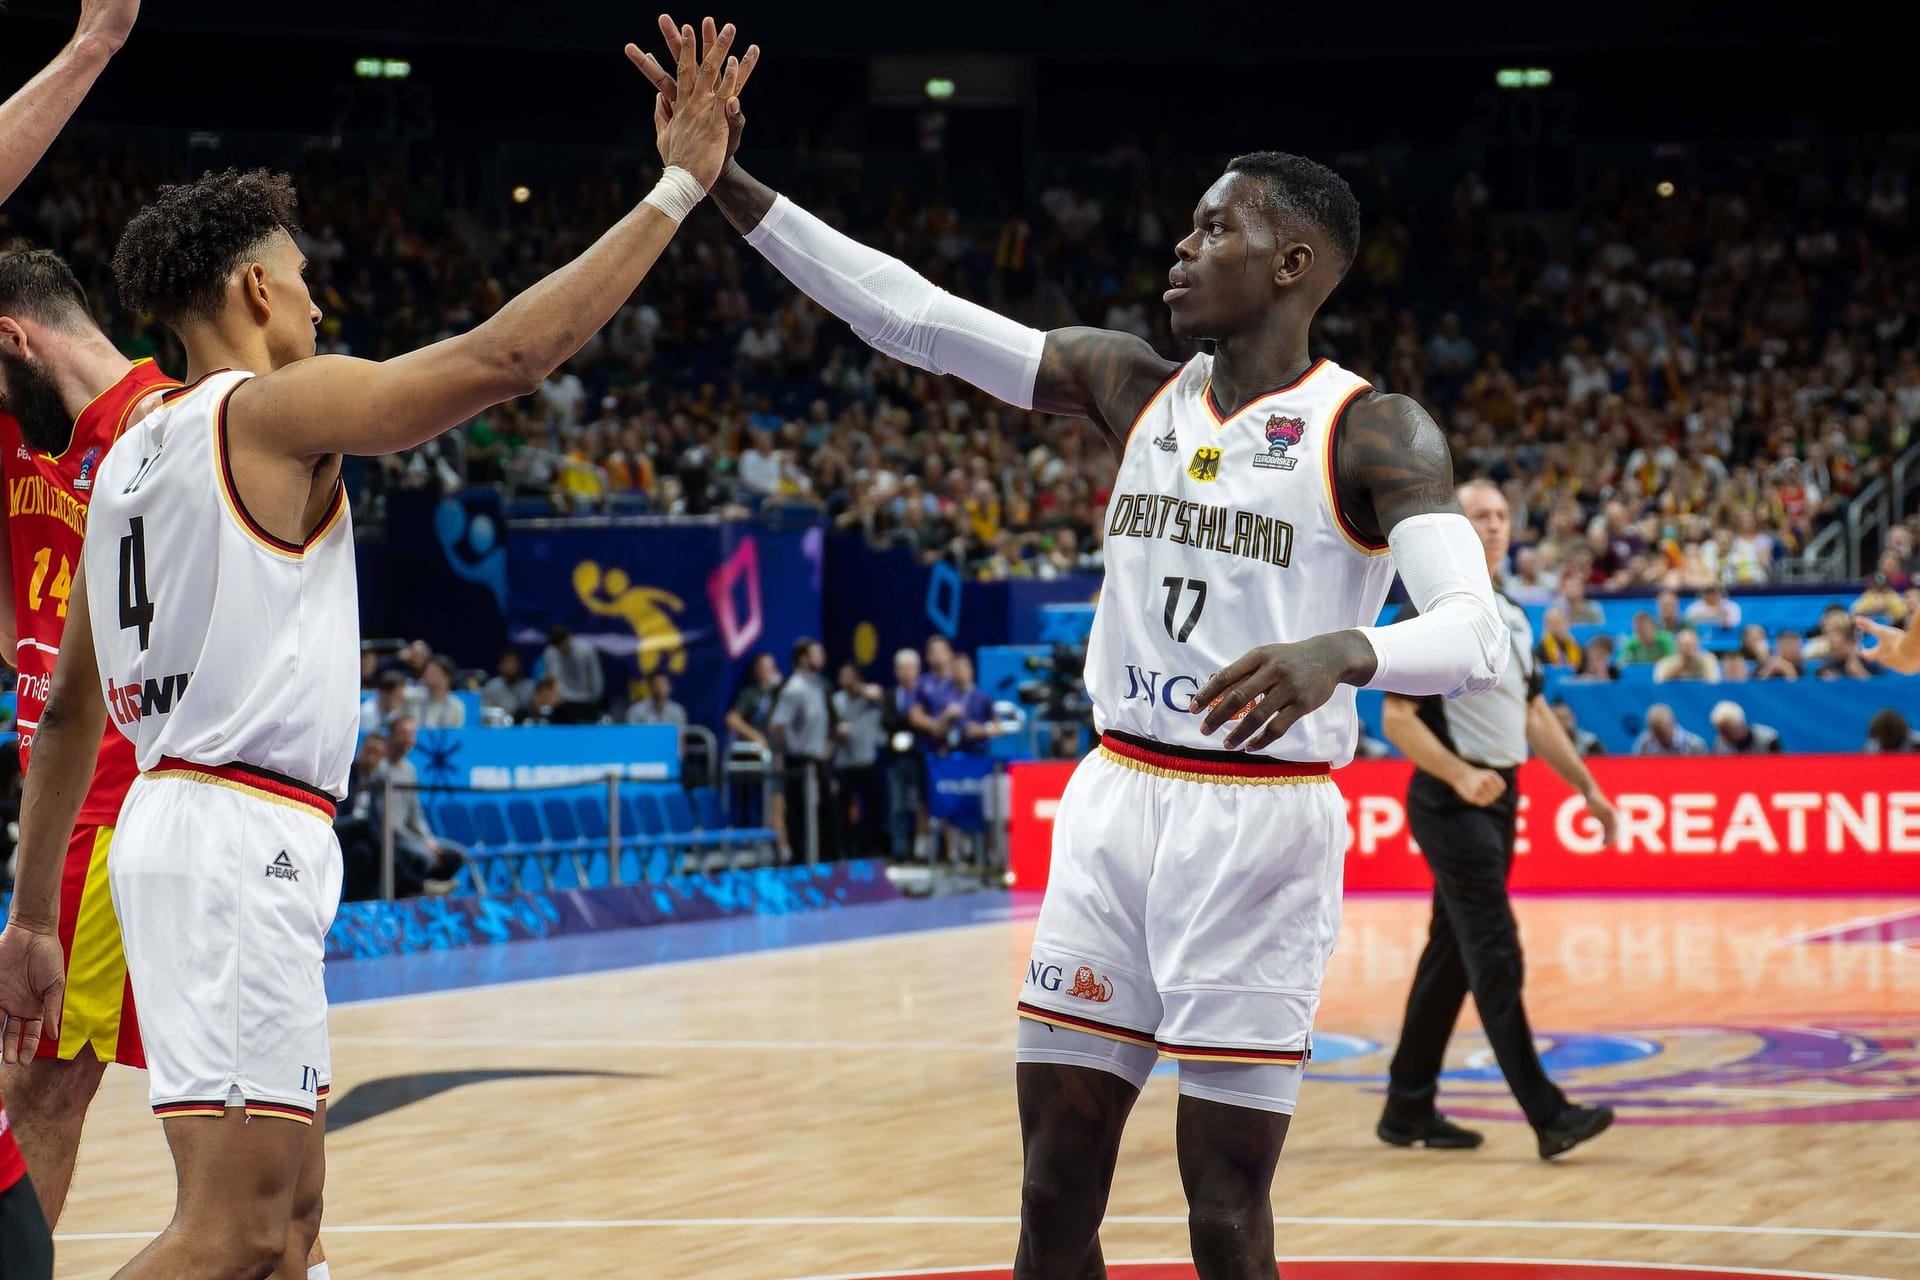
x: 1435, y: 1132
x: 1572, y: 1127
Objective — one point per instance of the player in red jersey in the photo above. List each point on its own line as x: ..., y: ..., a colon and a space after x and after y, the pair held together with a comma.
x: 66, y: 393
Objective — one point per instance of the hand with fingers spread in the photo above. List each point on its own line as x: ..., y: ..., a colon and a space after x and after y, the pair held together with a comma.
x: 33, y: 983
x: 672, y: 103
x: 1269, y: 689
x: 1896, y: 650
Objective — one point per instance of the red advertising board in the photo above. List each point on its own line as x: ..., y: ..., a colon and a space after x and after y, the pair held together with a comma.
x: 1776, y: 824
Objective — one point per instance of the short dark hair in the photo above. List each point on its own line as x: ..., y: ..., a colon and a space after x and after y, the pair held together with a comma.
x: 445, y: 664
x: 389, y: 681
x: 174, y: 257
x: 1300, y: 190
x: 40, y: 284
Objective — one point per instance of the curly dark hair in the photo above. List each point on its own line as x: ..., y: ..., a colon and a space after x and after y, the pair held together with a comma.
x: 1300, y: 190
x: 174, y: 257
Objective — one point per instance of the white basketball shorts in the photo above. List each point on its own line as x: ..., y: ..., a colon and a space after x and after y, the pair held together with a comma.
x: 1192, y: 904
x: 225, y: 879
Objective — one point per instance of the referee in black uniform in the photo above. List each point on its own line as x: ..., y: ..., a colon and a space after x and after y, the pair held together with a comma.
x: 1461, y: 806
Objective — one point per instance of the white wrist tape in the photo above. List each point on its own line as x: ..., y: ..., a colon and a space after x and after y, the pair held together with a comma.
x: 896, y: 310
x: 1459, y: 645
x: 676, y: 193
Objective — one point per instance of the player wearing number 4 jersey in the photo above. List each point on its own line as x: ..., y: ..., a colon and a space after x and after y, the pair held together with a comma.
x: 215, y: 626
x: 1196, y: 880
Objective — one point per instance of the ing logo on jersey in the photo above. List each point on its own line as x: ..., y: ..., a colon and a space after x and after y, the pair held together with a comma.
x: 1167, y: 443
x: 1282, y: 434
x: 1205, y: 466
x: 1088, y: 987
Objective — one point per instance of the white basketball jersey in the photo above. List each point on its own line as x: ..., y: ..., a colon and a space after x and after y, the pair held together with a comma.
x: 1223, y: 535
x: 219, y: 643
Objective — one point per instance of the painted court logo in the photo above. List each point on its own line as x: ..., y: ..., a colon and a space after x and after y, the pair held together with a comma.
x: 1282, y: 435
x: 1821, y: 1071
x: 1087, y: 987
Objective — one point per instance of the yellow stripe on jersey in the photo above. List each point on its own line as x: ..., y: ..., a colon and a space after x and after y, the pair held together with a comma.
x: 97, y: 973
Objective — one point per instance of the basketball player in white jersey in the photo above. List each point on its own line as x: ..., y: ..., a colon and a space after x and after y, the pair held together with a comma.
x: 214, y: 619
x: 1263, y: 503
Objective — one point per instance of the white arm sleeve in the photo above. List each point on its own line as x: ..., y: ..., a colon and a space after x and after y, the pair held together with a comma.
x: 1459, y: 644
x: 896, y: 310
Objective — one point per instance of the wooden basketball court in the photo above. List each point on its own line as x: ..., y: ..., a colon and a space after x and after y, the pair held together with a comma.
x: 847, y: 1109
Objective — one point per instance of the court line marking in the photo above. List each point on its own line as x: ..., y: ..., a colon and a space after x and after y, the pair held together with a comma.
x: 1000, y: 1220
x: 1357, y: 1257
x: 1825, y: 933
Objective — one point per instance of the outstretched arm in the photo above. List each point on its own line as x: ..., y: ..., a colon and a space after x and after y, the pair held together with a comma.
x: 1097, y: 374
x: 1893, y: 648
x: 65, y: 747
x: 1394, y: 478
x: 33, y: 117
x: 336, y: 404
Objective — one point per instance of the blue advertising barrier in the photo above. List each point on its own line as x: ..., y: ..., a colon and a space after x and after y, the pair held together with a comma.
x: 957, y: 789
x: 546, y: 755
x: 695, y: 600
x: 363, y: 930
x: 445, y: 573
x: 1811, y: 715
x: 882, y: 599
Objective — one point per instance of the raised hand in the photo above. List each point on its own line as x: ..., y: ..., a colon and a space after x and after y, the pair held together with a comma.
x: 668, y: 89
x: 33, y: 984
x: 1892, y: 649
x: 108, y: 21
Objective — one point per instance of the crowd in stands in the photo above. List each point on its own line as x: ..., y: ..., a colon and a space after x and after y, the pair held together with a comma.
x: 1672, y: 391
x: 852, y: 751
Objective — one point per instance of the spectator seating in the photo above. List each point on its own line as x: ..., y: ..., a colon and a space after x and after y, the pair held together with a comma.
x: 559, y: 839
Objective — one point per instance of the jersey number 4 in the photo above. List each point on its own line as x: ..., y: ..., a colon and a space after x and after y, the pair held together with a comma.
x: 136, y: 610
x: 1177, y: 587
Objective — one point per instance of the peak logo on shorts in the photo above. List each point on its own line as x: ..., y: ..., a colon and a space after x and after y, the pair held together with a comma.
x: 133, y: 701
x: 282, y: 868
x: 1087, y: 987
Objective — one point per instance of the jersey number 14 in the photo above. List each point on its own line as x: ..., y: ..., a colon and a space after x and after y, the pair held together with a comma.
x: 136, y: 610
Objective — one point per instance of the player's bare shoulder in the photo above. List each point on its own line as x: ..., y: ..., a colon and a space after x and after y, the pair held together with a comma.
x: 1100, y: 374
x: 1390, y: 462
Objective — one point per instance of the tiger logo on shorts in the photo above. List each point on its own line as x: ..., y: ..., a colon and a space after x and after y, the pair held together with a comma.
x: 1087, y: 987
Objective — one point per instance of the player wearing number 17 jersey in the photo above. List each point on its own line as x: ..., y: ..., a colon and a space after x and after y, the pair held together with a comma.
x: 67, y: 394
x: 1195, y: 891
x: 215, y: 625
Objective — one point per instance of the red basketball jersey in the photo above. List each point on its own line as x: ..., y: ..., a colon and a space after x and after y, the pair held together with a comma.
x: 47, y: 496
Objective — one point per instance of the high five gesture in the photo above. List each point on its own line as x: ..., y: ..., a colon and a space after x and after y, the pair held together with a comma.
x: 33, y: 117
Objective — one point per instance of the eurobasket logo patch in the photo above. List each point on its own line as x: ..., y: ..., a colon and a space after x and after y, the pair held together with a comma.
x: 1282, y: 435
x: 88, y: 460
x: 1205, y: 466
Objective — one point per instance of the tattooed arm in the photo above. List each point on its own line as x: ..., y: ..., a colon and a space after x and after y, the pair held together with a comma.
x: 1394, y: 481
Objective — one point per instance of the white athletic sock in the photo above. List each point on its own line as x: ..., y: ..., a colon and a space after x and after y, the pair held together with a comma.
x: 318, y: 1271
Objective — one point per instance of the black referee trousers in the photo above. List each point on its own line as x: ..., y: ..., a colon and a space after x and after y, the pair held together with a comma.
x: 1472, y: 945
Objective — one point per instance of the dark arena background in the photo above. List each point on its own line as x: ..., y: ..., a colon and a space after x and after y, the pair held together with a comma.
x: 640, y: 973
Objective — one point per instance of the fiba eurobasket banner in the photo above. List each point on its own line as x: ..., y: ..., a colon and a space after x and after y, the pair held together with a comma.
x: 696, y: 599
x: 1792, y: 824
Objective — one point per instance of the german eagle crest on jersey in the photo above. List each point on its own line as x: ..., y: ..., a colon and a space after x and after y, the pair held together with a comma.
x: 1205, y: 466
x: 1282, y: 435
